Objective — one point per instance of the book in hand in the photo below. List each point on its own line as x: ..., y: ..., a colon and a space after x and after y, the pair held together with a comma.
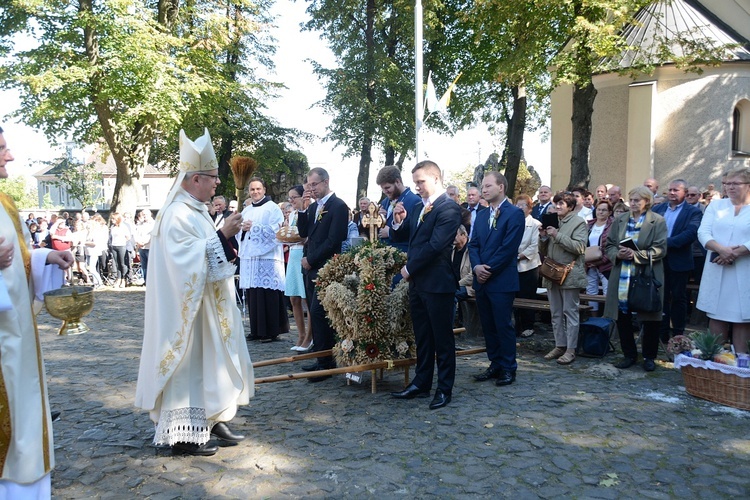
x: 550, y: 220
x: 629, y: 243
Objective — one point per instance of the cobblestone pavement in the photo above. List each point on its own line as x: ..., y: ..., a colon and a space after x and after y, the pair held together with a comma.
x: 586, y: 431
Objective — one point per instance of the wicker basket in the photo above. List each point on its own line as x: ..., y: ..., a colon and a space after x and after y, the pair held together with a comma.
x: 713, y: 385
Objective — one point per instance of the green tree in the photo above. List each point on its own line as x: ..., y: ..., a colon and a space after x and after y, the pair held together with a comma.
x: 129, y: 73
x: 81, y: 180
x: 502, y: 50
x: 23, y: 195
x: 370, y: 93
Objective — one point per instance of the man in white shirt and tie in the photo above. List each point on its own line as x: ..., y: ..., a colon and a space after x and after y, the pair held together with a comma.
x: 544, y: 197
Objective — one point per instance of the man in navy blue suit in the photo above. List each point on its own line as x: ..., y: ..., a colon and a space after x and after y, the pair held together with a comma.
x: 683, y: 220
x: 390, y: 182
x: 432, y: 282
x: 493, y: 251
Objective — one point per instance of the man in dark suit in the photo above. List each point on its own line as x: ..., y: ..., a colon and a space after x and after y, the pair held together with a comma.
x: 432, y: 283
x: 544, y: 201
x: 473, y: 206
x: 493, y: 251
x: 324, y: 224
x: 683, y: 220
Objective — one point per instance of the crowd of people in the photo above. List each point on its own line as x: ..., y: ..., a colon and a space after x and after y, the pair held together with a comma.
x: 113, y: 253
x: 206, y: 252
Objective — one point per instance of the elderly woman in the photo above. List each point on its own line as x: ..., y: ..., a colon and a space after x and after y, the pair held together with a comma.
x: 528, y: 266
x: 725, y: 233
x: 565, y: 244
x: 597, y: 269
x: 649, y: 231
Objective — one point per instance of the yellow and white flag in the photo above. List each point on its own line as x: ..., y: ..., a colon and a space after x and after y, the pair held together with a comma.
x: 433, y: 104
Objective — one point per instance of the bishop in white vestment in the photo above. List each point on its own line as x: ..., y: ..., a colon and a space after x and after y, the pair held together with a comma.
x: 195, y: 368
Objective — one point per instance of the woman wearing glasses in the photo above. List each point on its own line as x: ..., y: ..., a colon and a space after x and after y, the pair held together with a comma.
x: 725, y: 233
x: 649, y: 231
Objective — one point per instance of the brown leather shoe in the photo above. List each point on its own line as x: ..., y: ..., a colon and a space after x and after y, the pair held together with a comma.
x: 555, y: 353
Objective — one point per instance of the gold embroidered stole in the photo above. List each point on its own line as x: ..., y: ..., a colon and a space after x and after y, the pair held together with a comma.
x: 5, y: 420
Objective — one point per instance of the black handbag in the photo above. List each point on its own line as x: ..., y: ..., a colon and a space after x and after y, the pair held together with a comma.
x: 643, y: 295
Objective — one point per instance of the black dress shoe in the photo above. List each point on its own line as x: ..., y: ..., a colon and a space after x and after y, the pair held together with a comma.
x: 505, y: 378
x: 222, y: 431
x: 625, y: 363
x: 198, y: 450
x: 312, y: 367
x: 441, y: 399
x: 313, y: 380
x: 411, y: 392
x: 488, y: 374
x: 649, y: 365
x: 55, y: 416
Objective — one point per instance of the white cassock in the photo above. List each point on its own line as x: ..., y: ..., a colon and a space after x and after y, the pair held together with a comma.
x: 26, y: 450
x: 195, y: 368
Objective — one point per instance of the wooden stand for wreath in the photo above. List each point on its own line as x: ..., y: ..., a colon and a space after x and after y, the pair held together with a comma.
x: 377, y: 369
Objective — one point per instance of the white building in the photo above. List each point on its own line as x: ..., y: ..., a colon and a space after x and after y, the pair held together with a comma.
x: 670, y: 124
x: 155, y: 186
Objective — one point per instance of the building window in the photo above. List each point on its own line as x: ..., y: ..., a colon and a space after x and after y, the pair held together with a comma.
x: 741, y: 129
x: 146, y: 194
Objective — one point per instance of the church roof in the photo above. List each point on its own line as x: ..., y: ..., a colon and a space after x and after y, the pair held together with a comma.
x: 686, y: 21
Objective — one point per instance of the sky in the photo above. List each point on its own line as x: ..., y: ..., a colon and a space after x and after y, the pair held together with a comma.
x: 296, y: 108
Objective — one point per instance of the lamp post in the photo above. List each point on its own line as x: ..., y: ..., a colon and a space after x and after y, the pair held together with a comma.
x: 418, y: 76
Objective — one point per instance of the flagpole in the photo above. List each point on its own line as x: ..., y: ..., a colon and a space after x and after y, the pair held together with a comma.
x: 418, y: 77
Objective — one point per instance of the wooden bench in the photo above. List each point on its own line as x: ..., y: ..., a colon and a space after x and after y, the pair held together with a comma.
x: 473, y: 325
x: 601, y: 299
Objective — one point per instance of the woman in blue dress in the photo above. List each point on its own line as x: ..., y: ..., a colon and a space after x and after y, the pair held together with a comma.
x: 295, y: 287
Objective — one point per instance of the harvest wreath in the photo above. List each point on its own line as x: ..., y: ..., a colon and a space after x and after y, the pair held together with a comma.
x: 371, y: 318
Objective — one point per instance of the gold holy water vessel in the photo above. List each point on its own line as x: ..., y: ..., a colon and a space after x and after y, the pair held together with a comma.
x: 70, y: 304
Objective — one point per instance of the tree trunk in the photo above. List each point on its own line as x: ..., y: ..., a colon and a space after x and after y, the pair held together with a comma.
x: 390, y: 155
x: 367, y: 127
x: 364, y: 166
x: 514, y: 143
x: 583, y: 109
x: 225, y: 154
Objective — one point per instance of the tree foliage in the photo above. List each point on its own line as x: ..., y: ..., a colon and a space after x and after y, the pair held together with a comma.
x: 370, y: 92
x: 81, y: 180
x: 130, y: 73
x: 23, y: 195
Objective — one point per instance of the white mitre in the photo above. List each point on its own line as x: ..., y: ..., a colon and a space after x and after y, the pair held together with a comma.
x: 195, y: 156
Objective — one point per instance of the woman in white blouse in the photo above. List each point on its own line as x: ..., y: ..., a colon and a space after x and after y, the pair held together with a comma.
x: 528, y: 267
x: 725, y: 233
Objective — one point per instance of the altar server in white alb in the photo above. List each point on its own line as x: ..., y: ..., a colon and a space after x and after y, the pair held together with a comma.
x: 262, y: 271
x: 195, y: 368
x: 26, y: 450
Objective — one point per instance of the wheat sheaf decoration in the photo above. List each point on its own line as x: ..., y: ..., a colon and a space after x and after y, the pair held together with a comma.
x: 243, y: 168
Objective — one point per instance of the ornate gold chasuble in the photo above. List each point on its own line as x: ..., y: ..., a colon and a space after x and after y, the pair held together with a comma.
x: 30, y: 459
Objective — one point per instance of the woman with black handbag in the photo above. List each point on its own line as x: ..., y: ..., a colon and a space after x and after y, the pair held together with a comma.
x: 636, y: 242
